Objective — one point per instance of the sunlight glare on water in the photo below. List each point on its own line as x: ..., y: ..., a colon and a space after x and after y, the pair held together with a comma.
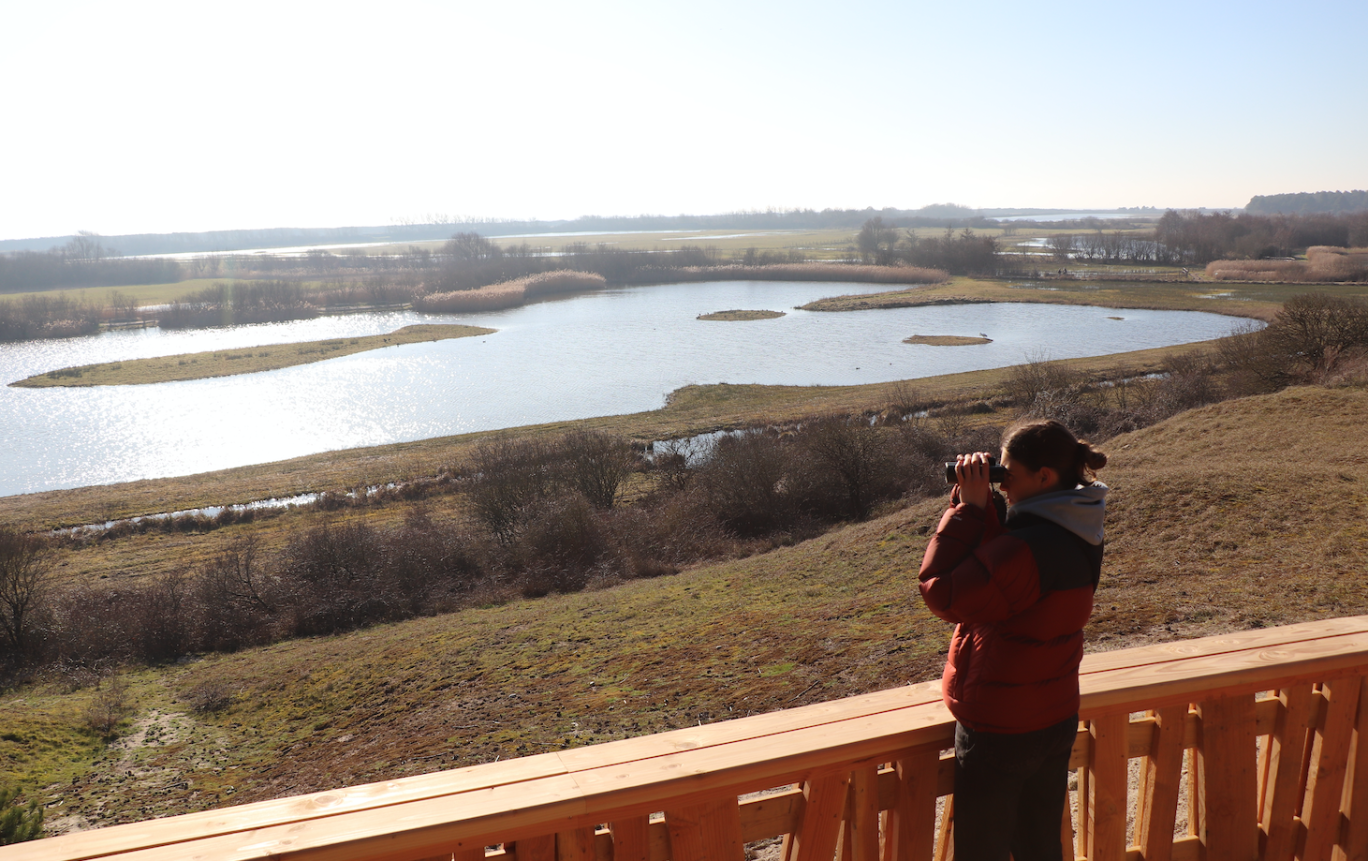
x: 604, y: 353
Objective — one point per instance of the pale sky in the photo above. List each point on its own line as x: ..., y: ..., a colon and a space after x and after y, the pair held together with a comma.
x: 124, y: 117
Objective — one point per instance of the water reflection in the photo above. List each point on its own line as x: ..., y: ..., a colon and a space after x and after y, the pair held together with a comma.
x: 615, y: 351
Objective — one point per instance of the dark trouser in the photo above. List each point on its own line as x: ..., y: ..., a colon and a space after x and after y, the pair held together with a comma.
x: 1010, y: 791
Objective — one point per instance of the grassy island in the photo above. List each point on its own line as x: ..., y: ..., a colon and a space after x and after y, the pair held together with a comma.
x: 249, y: 360
x: 741, y: 315
x: 947, y: 340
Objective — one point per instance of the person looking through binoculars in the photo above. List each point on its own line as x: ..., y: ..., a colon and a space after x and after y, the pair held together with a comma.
x: 1016, y: 571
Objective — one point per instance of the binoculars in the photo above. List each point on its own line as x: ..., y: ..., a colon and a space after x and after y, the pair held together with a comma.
x: 996, y: 472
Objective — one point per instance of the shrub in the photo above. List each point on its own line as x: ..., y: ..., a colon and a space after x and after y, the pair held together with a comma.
x: 19, y: 822
x: 853, y: 465
x: 563, y: 542
x: 108, y: 706
x: 510, y: 476
x: 1039, y: 376
x: 743, y: 483
x: 331, y: 573
x: 595, y: 464
x: 210, y: 697
x: 236, y: 598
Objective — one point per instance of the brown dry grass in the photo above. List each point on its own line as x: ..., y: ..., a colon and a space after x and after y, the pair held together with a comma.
x: 508, y: 294
x: 1323, y: 264
x: 1246, y: 513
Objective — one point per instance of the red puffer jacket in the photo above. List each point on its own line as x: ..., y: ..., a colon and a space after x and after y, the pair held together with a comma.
x: 1020, y: 594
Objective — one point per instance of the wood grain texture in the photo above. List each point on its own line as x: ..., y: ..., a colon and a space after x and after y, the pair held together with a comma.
x: 862, y: 815
x: 710, y: 831
x: 820, y: 830
x: 568, y: 793
x: 1282, y: 769
x: 1328, y: 767
x: 1228, y: 763
x: 1107, y: 784
x: 1355, y: 840
x: 911, y: 822
x: 1161, y: 784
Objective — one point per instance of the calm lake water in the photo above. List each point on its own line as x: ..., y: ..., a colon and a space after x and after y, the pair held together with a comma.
x: 605, y: 353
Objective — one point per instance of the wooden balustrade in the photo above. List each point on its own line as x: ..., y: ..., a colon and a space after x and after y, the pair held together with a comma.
x: 1257, y: 741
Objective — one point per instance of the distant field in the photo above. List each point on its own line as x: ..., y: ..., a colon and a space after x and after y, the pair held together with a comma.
x: 227, y: 363
x: 145, y: 294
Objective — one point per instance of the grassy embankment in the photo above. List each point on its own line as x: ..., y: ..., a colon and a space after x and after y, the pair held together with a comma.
x: 1258, y: 301
x: 250, y: 360
x: 1246, y: 513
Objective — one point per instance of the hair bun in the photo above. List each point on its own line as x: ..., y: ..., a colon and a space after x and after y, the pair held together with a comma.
x: 1091, y: 456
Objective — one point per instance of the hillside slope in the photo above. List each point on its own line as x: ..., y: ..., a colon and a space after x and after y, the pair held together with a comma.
x: 1242, y: 514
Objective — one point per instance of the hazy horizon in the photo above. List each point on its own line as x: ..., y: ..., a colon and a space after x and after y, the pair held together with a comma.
x: 157, y: 117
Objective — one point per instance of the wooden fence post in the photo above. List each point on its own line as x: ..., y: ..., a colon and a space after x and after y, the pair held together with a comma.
x: 1327, y: 768
x: 710, y: 831
x: 1227, y: 781
x: 1107, y: 781
x: 911, y: 831
x: 1161, y: 776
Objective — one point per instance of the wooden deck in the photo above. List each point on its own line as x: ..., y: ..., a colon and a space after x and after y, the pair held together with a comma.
x: 1256, y: 740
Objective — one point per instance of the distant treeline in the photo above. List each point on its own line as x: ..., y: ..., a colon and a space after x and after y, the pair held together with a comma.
x: 1308, y: 203
x: 84, y: 261
x: 935, y: 215
x: 227, y: 304
x: 1195, y: 238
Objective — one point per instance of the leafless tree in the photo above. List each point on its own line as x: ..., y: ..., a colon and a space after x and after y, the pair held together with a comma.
x: 23, y: 586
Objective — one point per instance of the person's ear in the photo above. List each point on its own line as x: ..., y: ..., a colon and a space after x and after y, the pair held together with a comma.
x: 1049, y: 476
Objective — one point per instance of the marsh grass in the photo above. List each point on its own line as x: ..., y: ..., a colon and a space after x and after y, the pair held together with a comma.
x: 508, y: 294
x: 225, y: 363
x: 1322, y: 264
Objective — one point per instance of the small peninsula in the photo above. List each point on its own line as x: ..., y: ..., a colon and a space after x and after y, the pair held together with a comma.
x: 247, y: 360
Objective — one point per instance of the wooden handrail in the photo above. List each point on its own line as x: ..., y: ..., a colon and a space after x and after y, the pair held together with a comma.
x: 1261, y: 737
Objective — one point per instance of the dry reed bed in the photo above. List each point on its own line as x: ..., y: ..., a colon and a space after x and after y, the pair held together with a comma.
x: 509, y: 294
x: 1323, y: 263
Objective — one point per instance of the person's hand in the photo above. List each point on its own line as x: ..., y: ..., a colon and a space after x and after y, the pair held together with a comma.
x: 971, y: 473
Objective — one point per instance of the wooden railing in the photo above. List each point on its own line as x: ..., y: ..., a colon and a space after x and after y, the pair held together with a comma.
x: 1251, y: 745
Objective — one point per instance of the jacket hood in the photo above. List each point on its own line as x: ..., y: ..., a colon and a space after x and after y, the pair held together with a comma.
x: 1079, y: 510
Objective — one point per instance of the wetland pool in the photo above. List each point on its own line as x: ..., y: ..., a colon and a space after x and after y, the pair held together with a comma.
x: 613, y: 351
